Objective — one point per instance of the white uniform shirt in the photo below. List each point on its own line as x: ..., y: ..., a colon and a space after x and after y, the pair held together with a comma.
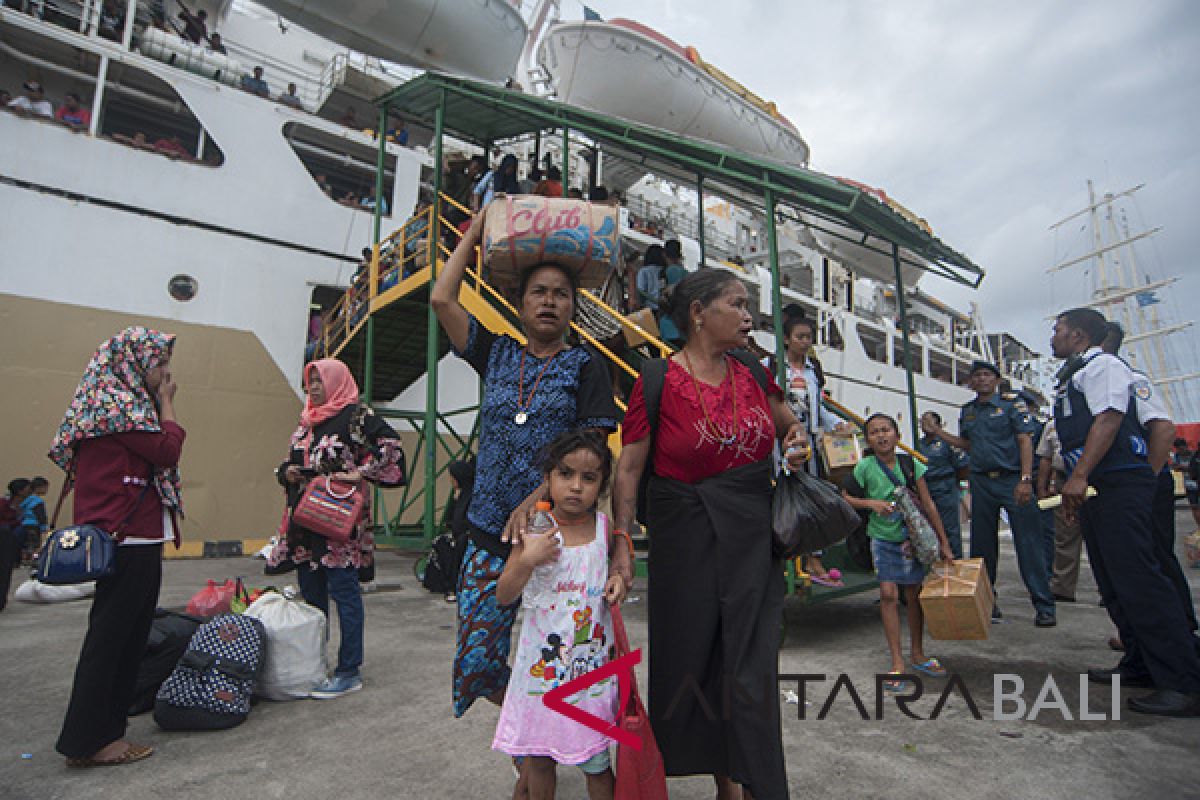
x: 1148, y: 406
x: 1105, y: 381
x: 42, y: 108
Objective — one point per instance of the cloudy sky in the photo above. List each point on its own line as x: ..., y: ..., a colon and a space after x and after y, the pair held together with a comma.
x: 986, y: 118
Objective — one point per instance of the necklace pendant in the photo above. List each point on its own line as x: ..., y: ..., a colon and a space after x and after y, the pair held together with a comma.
x: 521, y: 418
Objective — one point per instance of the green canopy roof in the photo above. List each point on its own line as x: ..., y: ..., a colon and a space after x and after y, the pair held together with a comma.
x: 482, y: 113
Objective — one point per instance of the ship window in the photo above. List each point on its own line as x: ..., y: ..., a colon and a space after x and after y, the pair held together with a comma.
x: 142, y: 111
x: 183, y: 287
x: 962, y: 373
x: 832, y: 335
x: 342, y: 168
x: 918, y: 354
x: 941, y: 367
x: 874, y: 343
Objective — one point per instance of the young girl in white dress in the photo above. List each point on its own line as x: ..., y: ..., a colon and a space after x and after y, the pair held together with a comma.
x: 566, y: 631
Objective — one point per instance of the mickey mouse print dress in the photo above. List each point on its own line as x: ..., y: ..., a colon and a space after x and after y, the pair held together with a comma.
x: 568, y: 635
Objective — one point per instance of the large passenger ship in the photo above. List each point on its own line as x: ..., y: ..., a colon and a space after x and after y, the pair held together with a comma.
x: 190, y: 204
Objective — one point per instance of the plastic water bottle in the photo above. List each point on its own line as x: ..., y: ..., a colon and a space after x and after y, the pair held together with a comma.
x: 540, y: 590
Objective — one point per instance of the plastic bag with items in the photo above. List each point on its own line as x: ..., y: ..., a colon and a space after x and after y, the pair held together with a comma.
x: 808, y: 514
x: 295, y: 660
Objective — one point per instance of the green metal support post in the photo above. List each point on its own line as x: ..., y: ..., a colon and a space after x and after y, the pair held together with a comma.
x: 777, y: 324
x: 376, y: 235
x: 700, y: 216
x: 429, y: 518
x: 373, y: 277
x: 566, y: 160
x: 908, y: 367
x: 776, y: 292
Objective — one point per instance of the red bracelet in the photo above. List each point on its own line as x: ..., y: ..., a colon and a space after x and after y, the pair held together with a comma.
x: 628, y: 539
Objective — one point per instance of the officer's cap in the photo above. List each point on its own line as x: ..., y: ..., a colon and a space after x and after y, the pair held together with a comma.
x: 980, y: 364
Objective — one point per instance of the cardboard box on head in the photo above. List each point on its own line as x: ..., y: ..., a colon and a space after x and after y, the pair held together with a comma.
x: 525, y: 230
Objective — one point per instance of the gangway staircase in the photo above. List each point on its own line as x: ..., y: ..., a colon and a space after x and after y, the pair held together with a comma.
x: 380, y: 328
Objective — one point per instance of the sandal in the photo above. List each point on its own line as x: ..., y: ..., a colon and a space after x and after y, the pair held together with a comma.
x: 135, y: 752
x: 828, y: 580
x: 931, y: 667
x: 896, y: 685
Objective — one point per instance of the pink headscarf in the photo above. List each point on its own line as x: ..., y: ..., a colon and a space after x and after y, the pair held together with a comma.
x: 340, y: 391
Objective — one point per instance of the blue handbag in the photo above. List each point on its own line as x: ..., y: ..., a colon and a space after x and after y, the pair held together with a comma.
x: 81, y: 553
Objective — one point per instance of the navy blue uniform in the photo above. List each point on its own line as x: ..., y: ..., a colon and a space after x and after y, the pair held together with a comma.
x: 1118, y: 526
x: 991, y: 426
x: 941, y: 477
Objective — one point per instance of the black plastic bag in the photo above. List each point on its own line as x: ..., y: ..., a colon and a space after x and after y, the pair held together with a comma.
x: 808, y: 514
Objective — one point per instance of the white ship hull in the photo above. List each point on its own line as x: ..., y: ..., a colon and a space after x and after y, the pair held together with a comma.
x: 94, y: 230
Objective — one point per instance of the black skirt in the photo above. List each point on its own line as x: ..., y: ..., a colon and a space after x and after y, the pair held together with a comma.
x: 715, y: 610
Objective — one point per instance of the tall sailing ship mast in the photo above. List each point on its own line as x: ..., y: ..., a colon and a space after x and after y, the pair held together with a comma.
x: 1122, y: 290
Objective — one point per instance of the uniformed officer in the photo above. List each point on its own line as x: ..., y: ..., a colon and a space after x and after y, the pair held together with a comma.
x: 1160, y: 436
x: 996, y: 432
x: 1105, y: 446
x: 944, y: 466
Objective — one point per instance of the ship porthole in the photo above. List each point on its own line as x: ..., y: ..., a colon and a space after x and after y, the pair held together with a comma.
x: 182, y: 287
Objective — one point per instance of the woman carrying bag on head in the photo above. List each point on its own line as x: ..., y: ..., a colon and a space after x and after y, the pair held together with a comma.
x: 716, y: 590
x: 120, y: 441
x: 533, y: 391
x: 339, y: 439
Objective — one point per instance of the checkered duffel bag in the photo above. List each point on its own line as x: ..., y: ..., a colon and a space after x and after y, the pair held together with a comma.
x: 211, y: 686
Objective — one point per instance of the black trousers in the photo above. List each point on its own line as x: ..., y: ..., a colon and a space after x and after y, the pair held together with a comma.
x: 715, y: 612
x: 118, y: 627
x: 1142, y: 600
x: 1164, y: 542
x: 10, y: 554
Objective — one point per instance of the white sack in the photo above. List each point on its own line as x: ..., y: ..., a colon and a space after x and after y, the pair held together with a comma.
x: 295, y: 661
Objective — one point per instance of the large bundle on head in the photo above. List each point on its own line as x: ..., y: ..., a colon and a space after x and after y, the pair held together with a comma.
x: 525, y: 230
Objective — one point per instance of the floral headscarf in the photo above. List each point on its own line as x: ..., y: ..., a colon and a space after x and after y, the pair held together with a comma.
x: 113, y: 398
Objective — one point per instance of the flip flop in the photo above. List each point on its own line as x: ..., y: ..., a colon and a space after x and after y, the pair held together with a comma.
x: 931, y: 667
x: 826, y: 580
x: 896, y: 685
x: 135, y: 752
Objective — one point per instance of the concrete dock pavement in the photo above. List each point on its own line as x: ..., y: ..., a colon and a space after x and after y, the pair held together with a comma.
x: 398, y: 738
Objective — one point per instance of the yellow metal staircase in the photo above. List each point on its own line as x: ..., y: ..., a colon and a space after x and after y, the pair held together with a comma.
x: 394, y: 291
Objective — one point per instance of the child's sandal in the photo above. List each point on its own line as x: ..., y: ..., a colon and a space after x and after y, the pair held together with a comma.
x: 931, y: 667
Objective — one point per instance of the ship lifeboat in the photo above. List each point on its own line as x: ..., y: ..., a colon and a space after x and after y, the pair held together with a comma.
x: 623, y: 68
x: 473, y: 38
x: 872, y: 259
x: 170, y: 49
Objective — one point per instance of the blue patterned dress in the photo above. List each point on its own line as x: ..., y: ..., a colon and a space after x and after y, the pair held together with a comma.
x: 575, y: 391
